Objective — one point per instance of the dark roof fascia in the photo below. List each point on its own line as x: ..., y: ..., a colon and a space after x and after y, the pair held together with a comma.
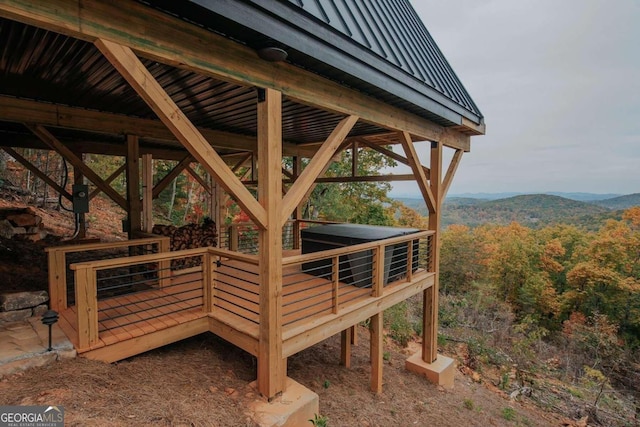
x: 293, y: 27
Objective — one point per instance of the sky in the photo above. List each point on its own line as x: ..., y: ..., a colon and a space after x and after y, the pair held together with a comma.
x: 558, y: 83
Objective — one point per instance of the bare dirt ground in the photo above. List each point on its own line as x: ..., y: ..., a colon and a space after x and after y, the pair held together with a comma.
x: 204, y: 381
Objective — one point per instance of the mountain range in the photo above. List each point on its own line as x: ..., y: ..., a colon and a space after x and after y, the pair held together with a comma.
x: 533, y: 210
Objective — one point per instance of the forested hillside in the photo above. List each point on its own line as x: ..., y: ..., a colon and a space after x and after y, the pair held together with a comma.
x: 540, y: 294
x: 532, y: 210
x: 622, y: 202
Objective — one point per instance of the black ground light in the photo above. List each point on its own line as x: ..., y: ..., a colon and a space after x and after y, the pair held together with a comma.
x: 49, y: 318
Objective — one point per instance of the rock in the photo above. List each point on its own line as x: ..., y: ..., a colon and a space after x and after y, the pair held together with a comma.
x: 15, y: 315
x: 229, y: 390
x: 40, y: 310
x: 213, y: 389
x: 20, y: 300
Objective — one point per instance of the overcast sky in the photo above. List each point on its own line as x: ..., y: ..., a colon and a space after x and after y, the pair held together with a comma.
x: 559, y: 85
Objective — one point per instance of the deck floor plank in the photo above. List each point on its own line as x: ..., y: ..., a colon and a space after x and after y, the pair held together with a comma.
x: 235, y: 303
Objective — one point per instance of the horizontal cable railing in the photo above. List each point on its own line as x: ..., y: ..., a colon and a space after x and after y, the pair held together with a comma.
x: 243, y: 237
x: 133, y: 295
x: 127, y: 297
x: 61, y: 277
x: 324, y: 282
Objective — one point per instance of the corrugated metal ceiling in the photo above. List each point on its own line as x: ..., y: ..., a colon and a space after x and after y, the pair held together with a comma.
x: 50, y: 67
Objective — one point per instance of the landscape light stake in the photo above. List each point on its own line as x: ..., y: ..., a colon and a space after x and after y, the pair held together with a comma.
x: 49, y: 318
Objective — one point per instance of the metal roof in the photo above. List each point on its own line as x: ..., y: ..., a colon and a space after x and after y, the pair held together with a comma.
x: 46, y: 66
x: 339, y: 39
x: 380, y: 47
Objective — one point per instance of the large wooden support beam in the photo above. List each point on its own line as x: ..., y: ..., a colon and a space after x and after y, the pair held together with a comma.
x: 53, y: 115
x: 72, y: 158
x: 271, y: 374
x: 376, y: 351
x: 395, y: 156
x: 317, y: 166
x: 147, y: 193
x: 346, y: 338
x: 430, y: 297
x: 197, y: 49
x: 78, y: 179
x: 418, y: 171
x: 37, y: 172
x: 141, y: 80
x: 169, y: 177
x: 134, y: 213
x: 451, y: 172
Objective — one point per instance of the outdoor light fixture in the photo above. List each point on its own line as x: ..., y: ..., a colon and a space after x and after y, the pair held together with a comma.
x: 272, y: 53
x: 49, y: 318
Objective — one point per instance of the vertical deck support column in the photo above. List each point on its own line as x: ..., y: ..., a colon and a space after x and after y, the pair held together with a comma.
x: 345, y: 347
x: 438, y: 369
x: 133, y: 185
x: 297, y: 213
x: 147, y: 193
x: 271, y: 364
x: 430, y: 298
x: 376, y: 352
x: 214, y: 204
x: 78, y: 178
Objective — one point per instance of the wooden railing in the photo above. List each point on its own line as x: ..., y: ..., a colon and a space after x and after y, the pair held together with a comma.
x: 318, y: 288
x: 352, y: 270
x: 243, y: 236
x: 115, y: 293
x: 59, y: 285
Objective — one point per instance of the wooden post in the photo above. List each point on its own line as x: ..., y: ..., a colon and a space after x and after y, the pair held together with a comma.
x: 164, y: 266
x: 147, y: 193
x: 336, y: 284
x: 345, y: 347
x: 409, y: 260
x: 271, y: 372
x: 215, y: 199
x: 297, y: 213
x: 430, y: 296
x: 87, y: 307
x: 207, y: 291
x: 378, y: 271
x: 133, y: 185
x: 78, y: 178
x: 57, y: 280
x: 354, y: 335
x: 376, y: 353
x: 234, y: 238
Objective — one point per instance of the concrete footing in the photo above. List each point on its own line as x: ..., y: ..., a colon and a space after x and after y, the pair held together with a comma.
x: 295, y: 407
x: 440, y: 372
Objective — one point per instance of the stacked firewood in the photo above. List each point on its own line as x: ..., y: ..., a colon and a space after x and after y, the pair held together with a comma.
x: 21, y: 224
x: 188, y: 237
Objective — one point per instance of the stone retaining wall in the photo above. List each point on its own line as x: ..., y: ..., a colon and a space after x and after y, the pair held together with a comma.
x: 17, y: 306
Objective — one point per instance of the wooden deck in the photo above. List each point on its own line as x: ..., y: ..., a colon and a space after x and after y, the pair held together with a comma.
x: 125, y: 322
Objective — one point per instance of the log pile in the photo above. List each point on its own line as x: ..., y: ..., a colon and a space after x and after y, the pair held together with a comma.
x: 189, y: 236
x: 21, y: 224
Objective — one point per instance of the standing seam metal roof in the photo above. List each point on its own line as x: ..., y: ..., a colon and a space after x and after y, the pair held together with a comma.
x: 380, y: 47
x: 393, y: 30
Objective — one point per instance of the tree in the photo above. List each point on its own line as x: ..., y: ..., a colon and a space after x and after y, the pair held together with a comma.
x: 359, y: 202
x: 461, y: 259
